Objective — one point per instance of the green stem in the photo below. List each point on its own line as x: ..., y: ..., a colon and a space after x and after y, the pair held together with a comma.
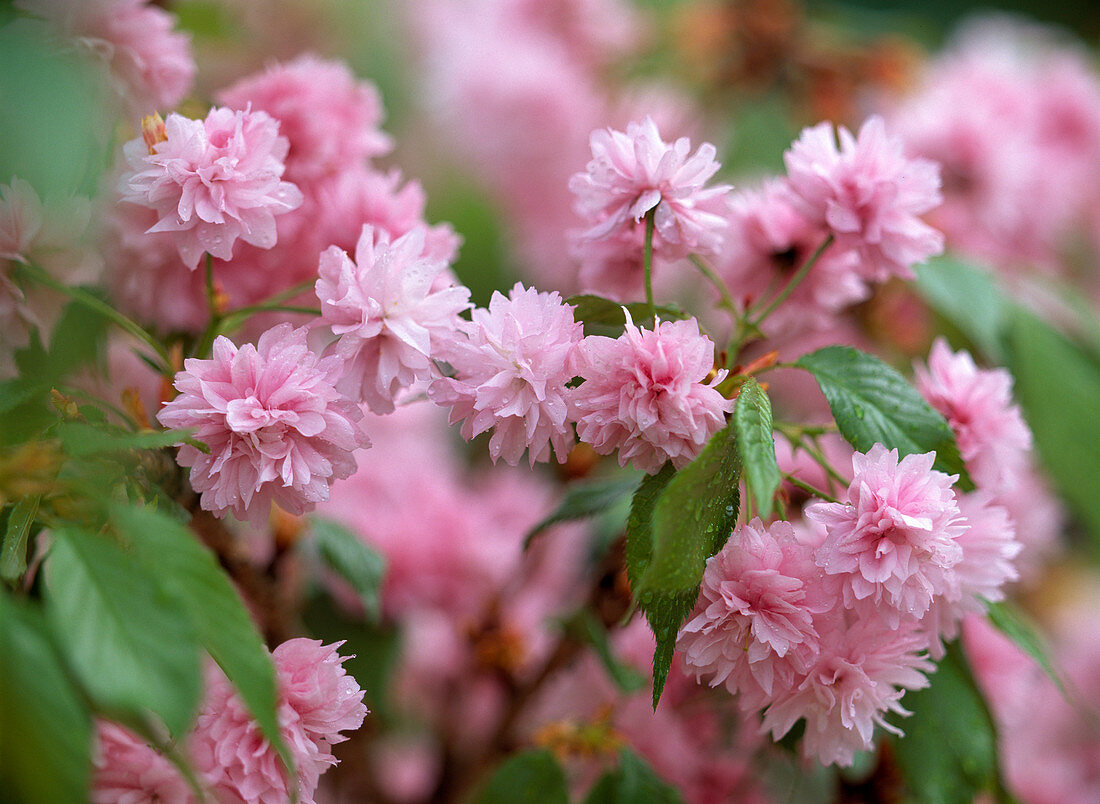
x: 808, y: 488
x: 280, y: 297
x: 647, y: 263
x: 796, y: 280
x: 714, y: 279
x: 92, y: 302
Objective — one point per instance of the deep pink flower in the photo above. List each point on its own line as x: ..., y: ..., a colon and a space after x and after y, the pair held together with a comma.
x: 860, y: 674
x: 754, y: 619
x: 867, y: 194
x: 511, y: 367
x: 644, y: 394
x: 130, y: 771
x: 330, y: 119
x: 895, y: 539
x: 635, y: 173
x: 213, y: 181
x: 992, y: 436
x: 150, y: 63
x: 388, y: 311
x: 277, y: 429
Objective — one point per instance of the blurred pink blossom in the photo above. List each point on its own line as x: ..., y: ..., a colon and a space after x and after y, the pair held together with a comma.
x: 127, y: 770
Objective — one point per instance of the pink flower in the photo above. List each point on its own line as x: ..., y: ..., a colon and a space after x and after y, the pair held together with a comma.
x: 860, y: 674
x: 387, y: 310
x: 637, y: 172
x: 992, y: 436
x: 754, y: 618
x: 644, y: 394
x: 129, y: 771
x: 895, y: 539
x: 277, y: 429
x: 510, y: 374
x: 213, y: 181
x: 316, y: 701
x: 151, y: 64
x: 330, y: 119
x: 868, y: 195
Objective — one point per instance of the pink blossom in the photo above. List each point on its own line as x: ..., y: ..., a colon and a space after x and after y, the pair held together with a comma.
x: 130, y: 771
x: 510, y: 374
x: 315, y: 685
x: 150, y: 63
x: 635, y: 173
x: 644, y: 394
x: 753, y: 626
x: 277, y: 429
x: 330, y: 119
x: 989, y: 428
x: 895, y: 539
x: 860, y: 674
x: 213, y: 181
x: 868, y: 195
x: 387, y: 310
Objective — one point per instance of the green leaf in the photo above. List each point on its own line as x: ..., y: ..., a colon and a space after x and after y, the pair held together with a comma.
x: 207, y: 602
x: 631, y: 783
x: 121, y: 632
x: 602, y: 316
x: 79, y: 338
x: 970, y: 299
x: 949, y: 752
x: 45, y: 729
x: 676, y: 524
x: 80, y: 440
x: 1012, y: 624
x: 1057, y: 387
x: 353, y: 560
x: 872, y: 403
x: 533, y: 777
x: 584, y: 626
x: 752, y: 419
x: 583, y: 500
x: 13, y: 558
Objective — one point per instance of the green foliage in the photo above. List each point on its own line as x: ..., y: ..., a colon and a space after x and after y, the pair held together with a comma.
x: 585, y: 627
x: 121, y: 632
x: 631, y: 783
x: 13, y: 553
x: 602, y: 316
x: 970, y: 300
x: 586, y: 499
x: 1010, y: 622
x: 80, y: 439
x: 677, y: 522
x: 533, y: 777
x: 45, y: 730
x: 752, y: 419
x: 949, y: 752
x: 353, y: 560
x: 872, y: 402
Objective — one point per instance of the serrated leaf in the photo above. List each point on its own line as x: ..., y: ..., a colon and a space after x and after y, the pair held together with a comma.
x: 639, y: 524
x: 1013, y: 625
x: 533, y: 777
x: 586, y: 627
x: 206, y: 600
x: 633, y: 781
x: 121, y: 631
x: 969, y: 299
x: 582, y: 500
x: 602, y: 316
x: 353, y: 560
x: 872, y: 403
x: 752, y: 419
x: 80, y: 440
x: 13, y: 555
x: 949, y: 752
x: 45, y: 728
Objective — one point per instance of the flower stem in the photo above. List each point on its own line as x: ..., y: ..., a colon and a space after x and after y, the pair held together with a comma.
x: 647, y: 263
x: 714, y: 279
x: 808, y: 488
x: 796, y: 280
x: 92, y: 302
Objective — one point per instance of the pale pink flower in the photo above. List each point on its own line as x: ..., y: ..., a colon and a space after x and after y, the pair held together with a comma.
x: 387, y: 311
x: 644, y: 394
x: 860, y: 674
x: 277, y: 429
x: 314, y: 683
x: 634, y: 173
x: 511, y: 368
x: 753, y: 626
x: 127, y: 770
x: 894, y: 540
x: 213, y: 181
x: 330, y: 119
x: 150, y: 63
x: 993, y: 438
x: 868, y: 194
